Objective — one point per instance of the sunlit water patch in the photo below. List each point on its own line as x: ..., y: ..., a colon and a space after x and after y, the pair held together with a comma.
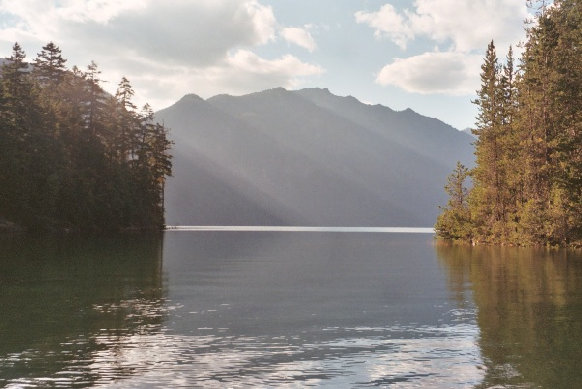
x: 331, y: 357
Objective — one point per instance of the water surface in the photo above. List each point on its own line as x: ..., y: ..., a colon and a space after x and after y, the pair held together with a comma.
x: 286, y: 309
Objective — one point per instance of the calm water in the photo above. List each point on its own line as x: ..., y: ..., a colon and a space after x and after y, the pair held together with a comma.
x: 286, y: 309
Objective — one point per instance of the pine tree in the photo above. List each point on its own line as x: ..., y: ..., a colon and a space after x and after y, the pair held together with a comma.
x: 95, y: 99
x: 566, y: 192
x: 126, y: 120
x: 49, y: 65
x: 550, y: 126
x: 455, y: 220
x: 528, y: 175
x: 488, y: 175
x: 16, y: 88
x: 61, y: 138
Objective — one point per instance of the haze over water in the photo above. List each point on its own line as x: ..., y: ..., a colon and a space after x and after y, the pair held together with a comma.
x: 286, y: 309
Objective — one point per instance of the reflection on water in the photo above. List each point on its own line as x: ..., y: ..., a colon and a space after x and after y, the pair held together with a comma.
x: 322, y: 309
x: 233, y: 308
x: 61, y: 298
x: 349, y: 357
x: 277, y: 309
x: 529, y: 304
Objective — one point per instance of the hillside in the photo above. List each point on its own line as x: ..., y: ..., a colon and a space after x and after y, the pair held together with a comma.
x: 306, y: 157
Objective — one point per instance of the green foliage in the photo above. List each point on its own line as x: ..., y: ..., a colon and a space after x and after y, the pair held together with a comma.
x: 528, y: 174
x: 74, y: 157
x: 453, y: 222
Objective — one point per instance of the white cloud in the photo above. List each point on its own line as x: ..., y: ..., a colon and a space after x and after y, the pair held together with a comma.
x: 240, y: 72
x: 99, y: 11
x: 166, y: 48
x: 40, y: 18
x: 445, y: 73
x: 464, y: 27
x: 244, y: 71
x: 252, y: 63
x: 467, y: 25
x: 181, y: 31
x: 299, y: 36
x: 387, y: 23
x: 470, y: 24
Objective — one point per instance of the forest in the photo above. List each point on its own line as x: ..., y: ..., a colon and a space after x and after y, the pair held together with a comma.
x: 73, y: 157
x: 526, y: 187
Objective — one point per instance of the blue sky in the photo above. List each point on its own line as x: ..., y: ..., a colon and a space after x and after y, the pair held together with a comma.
x: 419, y: 54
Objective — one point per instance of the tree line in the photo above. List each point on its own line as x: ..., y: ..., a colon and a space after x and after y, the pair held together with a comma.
x: 527, y: 182
x: 73, y: 157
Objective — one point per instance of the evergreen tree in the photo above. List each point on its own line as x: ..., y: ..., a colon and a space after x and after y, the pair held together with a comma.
x: 49, y: 65
x: 16, y: 88
x: 127, y: 121
x: 94, y: 99
x: 72, y: 156
x: 528, y: 174
x: 489, y: 175
x: 566, y: 193
x: 454, y: 221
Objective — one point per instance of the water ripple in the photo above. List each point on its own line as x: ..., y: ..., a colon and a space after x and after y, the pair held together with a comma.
x: 355, y: 357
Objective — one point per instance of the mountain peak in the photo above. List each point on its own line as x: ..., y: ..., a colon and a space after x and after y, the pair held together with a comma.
x: 315, y: 90
x: 275, y: 91
x: 189, y: 99
x: 306, y: 157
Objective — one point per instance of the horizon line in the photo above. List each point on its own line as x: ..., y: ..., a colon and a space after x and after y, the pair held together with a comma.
x: 404, y: 230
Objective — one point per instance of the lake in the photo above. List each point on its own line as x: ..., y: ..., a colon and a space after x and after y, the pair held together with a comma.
x: 286, y: 309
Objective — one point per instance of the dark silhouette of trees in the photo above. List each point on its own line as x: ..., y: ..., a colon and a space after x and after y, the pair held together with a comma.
x: 73, y: 156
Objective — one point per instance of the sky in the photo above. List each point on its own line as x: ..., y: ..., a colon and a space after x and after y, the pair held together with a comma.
x: 418, y: 54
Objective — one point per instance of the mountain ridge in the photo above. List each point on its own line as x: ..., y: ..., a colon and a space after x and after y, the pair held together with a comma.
x: 306, y: 157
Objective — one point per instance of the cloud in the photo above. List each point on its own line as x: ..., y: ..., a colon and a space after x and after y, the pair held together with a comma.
x: 40, y: 18
x: 181, y: 31
x: 466, y: 25
x: 252, y: 63
x: 166, y: 48
x: 387, y: 23
x: 241, y: 71
x: 445, y: 73
x: 462, y: 27
x: 470, y: 24
x: 245, y: 71
x: 99, y: 11
x: 299, y: 36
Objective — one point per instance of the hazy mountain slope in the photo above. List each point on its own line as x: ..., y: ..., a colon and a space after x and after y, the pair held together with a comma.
x: 469, y: 132
x: 204, y: 189
x: 283, y: 157
x: 427, y: 136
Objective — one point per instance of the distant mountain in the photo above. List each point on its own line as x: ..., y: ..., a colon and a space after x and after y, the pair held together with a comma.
x: 469, y: 131
x: 306, y: 157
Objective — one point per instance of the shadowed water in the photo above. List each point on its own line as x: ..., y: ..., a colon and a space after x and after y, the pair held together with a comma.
x: 284, y: 309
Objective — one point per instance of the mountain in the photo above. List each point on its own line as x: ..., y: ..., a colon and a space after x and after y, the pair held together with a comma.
x: 469, y: 131
x: 306, y: 157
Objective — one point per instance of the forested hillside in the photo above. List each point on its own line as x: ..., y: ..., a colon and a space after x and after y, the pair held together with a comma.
x: 527, y: 183
x: 72, y: 156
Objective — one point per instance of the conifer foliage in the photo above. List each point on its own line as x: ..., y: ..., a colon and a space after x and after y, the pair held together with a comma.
x: 527, y: 182
x: 73, y: 156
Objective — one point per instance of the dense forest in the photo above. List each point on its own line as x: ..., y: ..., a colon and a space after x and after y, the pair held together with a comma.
x: 73, y: 157
x: 527, y: 182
